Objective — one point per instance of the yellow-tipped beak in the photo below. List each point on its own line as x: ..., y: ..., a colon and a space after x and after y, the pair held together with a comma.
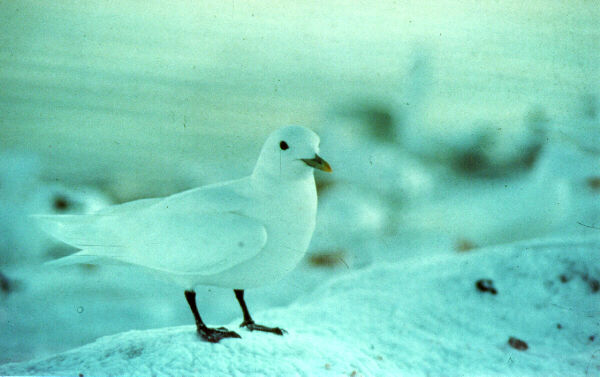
x: 318, y: 163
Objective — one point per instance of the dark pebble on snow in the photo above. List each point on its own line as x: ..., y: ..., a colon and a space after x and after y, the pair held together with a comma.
x: 61, y: 203
x: 5, y: 284
x: 517, y: 344
x: 486, y: 285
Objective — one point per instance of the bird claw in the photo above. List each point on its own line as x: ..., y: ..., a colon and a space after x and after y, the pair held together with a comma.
x: 215, y: 335
x: 251, y: 326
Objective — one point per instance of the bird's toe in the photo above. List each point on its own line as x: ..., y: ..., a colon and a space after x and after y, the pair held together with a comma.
x: 215, y: 335
x: 251, y: 326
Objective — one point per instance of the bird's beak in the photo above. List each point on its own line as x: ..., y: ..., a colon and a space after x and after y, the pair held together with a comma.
x: 317, y: 163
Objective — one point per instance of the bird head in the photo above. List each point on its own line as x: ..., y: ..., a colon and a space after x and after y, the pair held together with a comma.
x: 291, y: 152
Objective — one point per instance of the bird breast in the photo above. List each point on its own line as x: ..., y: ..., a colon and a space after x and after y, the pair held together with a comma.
x: 290, y: 221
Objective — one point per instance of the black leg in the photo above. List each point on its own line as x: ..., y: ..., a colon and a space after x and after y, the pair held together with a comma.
x: 249, y: 322
x: 206, y: 333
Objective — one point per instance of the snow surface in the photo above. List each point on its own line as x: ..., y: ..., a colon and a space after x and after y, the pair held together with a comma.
x: 421, y: 316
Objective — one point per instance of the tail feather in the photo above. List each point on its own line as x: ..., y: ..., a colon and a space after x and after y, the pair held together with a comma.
x: 88, y: 256
x: 78, y: 258
x: 91, y: 233
x: 77, y: 230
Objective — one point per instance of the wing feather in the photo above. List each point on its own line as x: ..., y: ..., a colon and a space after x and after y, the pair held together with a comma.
x: 199, y: 231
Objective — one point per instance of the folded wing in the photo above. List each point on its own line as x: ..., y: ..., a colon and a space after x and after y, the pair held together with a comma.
x: 176, y: 241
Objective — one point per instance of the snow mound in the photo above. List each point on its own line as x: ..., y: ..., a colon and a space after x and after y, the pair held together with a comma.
x: 177, y: 351
x: 451, y: 315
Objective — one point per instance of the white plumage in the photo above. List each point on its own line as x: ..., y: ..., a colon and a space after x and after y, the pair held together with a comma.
x: 237, y: 234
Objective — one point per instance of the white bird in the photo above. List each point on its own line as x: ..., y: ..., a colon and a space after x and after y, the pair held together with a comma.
x: 238, y: 234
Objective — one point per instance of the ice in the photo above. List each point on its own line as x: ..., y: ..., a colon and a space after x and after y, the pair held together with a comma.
x: 415, y: 317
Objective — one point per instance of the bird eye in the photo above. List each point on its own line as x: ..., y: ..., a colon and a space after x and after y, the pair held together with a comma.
x: 283, y: 145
